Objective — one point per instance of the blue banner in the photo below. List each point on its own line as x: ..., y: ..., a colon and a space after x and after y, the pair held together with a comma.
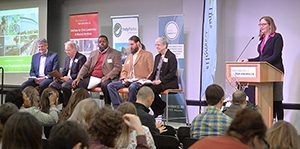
x: 171, y: 27
x: 209, y: 45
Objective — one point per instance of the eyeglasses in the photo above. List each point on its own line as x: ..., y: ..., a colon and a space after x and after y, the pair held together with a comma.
x: 262, y: 24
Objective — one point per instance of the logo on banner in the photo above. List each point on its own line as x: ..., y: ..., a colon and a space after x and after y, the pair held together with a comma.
x: 172, y: 30
x: 117, y: 30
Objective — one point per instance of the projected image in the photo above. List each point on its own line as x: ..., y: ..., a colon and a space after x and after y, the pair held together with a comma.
x: 19, y: 32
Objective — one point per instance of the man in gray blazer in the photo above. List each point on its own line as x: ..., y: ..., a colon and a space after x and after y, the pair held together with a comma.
x: 104, y: 63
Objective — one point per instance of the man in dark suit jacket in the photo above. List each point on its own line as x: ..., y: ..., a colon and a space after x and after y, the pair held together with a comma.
x: 104, y: 63
x: 164, y: 75
x: 42, y: 64
x: 73, y: 62
x: 144, y: 100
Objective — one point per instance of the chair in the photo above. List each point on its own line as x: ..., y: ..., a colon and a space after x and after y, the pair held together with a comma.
x: 183, y: 132
x: 187, y: 142
x: 175, y: 91
x: 164, y: 141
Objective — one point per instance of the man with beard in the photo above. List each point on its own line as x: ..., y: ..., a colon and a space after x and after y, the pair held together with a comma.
x: 104, y: 63
x: 138, y: 65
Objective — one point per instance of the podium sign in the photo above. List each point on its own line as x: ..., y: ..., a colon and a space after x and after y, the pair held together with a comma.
x: 261, y: 75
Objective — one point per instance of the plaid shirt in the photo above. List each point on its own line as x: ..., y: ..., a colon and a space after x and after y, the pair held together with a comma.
x: 210, y: 123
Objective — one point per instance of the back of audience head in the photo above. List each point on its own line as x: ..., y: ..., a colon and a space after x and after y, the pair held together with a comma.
x: 15, y: 97
x: 214, y: 95
x: 49, y: 97
x: 248, y: 126
x: 145, y: 96
x: 106, y: 126
x: 77, y: 96
x: 84, y: 112
x: 67, y: 135
x: 239, y: 97
x: 31, y: 97
x: 22, y: 131
x: 6, y: 110
x: 283, y: 135
x: 125, y: 108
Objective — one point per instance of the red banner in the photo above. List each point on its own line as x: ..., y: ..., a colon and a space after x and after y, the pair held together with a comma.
x: 84, y: 26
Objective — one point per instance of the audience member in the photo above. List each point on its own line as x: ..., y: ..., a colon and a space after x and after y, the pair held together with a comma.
x: 127, y: 138
x: 68, y: 135
x: 84, y: 112
x: 145, y: 97
x: 6, y: 110
x: 238, y: 102
x: 22, y: 131
x: 31, y: 105
x: 247, y: 131
x: 78, y: 95
x: 212, y: 122
x: 283, y: 135
x: 106, y: 128
x: 15, y: 97
x: 49, y: 100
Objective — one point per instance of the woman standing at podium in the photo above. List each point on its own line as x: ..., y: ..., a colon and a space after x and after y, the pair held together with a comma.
x: 270, y: 50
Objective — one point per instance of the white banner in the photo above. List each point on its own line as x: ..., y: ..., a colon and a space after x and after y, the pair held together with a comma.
x: 209, y: 45
x: 123, y: 27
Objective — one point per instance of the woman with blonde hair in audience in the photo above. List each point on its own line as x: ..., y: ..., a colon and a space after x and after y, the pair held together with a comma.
x: 78, y: 95
x: 31, y: 100
x: 84, y: 112
x: 283, y: 135
x: 127, y: 138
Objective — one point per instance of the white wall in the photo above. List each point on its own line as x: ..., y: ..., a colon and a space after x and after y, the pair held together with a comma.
x: 240, y: 23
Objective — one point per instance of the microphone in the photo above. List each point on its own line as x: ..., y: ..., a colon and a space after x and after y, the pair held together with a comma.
x: 244, y: 48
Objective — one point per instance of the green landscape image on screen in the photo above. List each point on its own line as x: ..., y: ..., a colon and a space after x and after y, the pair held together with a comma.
x: 19, y: 32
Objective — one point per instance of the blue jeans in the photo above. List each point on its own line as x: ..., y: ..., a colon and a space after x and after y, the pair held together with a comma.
x: 113, y: 88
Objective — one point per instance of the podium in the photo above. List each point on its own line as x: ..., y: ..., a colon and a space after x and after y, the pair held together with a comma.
x: 261, y: 75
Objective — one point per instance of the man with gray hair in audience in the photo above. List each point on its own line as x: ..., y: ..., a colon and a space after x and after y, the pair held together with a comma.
x: 73, y: 62
x: 238, y: 102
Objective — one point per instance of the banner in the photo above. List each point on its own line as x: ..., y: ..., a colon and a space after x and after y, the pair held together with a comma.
x: 209, y: 45
x: 19, y: 32
x: 84, y: 32
x: 171, y: 27
x: 123, y: 27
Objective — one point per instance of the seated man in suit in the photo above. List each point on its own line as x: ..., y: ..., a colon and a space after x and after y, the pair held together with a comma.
x: 104, y: 63
x: 213, y: 122
x: 73, y: 62
x: 144, y: 99
x: 138, y: 65
x: 42, y: 64
x: 164, y: 74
